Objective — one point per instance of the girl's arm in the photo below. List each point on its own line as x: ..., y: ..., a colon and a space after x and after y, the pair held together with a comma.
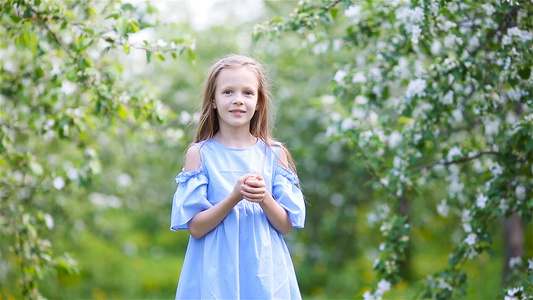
x: 207, y: 220
x: 255, y: 191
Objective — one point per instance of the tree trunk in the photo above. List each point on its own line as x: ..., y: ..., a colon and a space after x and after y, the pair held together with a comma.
x: 513, y: 237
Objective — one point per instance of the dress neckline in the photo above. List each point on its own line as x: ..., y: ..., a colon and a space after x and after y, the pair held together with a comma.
x: 235, y: 149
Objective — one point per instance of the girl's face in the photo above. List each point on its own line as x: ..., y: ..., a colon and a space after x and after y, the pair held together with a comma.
x: 236, y: 97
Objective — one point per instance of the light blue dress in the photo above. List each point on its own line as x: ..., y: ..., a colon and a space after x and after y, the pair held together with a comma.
x: 244, y: 257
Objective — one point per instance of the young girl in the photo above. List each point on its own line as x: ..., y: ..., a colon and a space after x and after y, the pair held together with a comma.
x: 238, y: 194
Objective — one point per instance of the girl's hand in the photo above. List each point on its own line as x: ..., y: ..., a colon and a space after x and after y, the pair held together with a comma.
x: 237, y: 189
x: 254, y: 188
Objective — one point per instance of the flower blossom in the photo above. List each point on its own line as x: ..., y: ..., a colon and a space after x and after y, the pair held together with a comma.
x: 520, y: 192
x: 515, y: 261
x: 455, y: 151
x: 339, y: 76
x: 58, y: 183
x: 471, y: 239
x: 442, y: 208
x: 416, y: 88
x: 481, y: 201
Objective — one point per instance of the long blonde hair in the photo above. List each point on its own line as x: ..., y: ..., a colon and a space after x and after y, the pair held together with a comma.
x: 208, y: 124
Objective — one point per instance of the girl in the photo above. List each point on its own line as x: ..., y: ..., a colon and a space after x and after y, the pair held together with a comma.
x: 238, y: 193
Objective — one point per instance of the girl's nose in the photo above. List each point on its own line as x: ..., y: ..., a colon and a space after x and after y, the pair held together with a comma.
x: 237, y: 100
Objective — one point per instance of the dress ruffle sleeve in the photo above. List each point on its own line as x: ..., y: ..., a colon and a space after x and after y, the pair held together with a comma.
x: 189, y: 199
x: 287, y: 193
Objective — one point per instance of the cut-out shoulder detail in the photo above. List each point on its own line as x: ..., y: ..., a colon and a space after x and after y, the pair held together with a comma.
x: 193, y: 159
x: 183, y: 176
x: 282, y: 157
x: 293, y: 178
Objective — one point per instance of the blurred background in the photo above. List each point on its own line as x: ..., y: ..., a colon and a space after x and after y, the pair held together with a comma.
x: 117, y: 225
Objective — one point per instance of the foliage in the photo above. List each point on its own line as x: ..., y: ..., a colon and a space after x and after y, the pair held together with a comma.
x: 431, y: 93
x: 61, y: 91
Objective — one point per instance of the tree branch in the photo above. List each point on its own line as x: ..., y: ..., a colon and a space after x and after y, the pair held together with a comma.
x: 332, y: 5
x: 58, y: 40
x: 458, y: 161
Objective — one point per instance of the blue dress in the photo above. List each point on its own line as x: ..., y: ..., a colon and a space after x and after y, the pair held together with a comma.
x: 244, y: 257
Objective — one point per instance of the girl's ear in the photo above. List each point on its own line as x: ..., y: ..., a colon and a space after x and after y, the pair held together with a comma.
x: 214, y: 105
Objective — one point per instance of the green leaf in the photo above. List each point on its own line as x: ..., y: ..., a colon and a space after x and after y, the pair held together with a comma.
x: 525, y: 72
x: 36, y: 168
x: 88, y: 30
x: 127, y: 6
x: 122, y: 26
x: 334, y: 12
x: 134, y: 25
x: 126, y: 49
x: 122, y: 112
x: 15, y: 18
x: 148, y: 55
x: 404, y: 120
x: 160, y: 57
x: 114, y: 15
x: 191, y: 55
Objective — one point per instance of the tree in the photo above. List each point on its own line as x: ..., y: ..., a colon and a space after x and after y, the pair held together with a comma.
x: 433, y: 93
x: 61, y: 90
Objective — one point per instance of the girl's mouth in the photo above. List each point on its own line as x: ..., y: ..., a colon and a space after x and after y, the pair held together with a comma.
x: 237, y: 112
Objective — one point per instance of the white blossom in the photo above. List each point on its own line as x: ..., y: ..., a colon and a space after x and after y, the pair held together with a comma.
x: 514, y: 94
x: 523, y: 35
x: 448, y: 98
x: 467, y: 228
x: 481, y: 201
x: 530, y: 264
x: 491, y: 126
x: 368, y: 296
x: 72, y: 173
x: 465, y: 216
x: 124, y: 180
x: 68, y: 87
x: 435, y: 47
x: 416, y: 88
x: 383, y: 286
x: 471, y: 239
x: 520, y: 192
x: 339, y: 76
x: 58, y: 183
x: 456, y: 186
x: 455, y: 151
x: 489, y: 9
x: 442, y: 208
x: 503, y: 205
x: 347, y: 124
x: 337, y: 44
x: 10, y: 66
x: 515, y: 290
x: 496, y: 170
x: 353, y: 11
x: 161, y: 43
x: 359, y: 77
x: 444, y: 285
x: 49, y: 221
x: 449, y: 41
x: 515, y: 261
x: 320, y: 48
x: 395, y: 139
x: 415, y: 34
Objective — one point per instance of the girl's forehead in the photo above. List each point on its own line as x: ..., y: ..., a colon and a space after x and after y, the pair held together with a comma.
x: 238, y: 75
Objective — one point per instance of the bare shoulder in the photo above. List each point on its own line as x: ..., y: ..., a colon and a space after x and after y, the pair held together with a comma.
x: 283, y: 156
x: 193, y: 159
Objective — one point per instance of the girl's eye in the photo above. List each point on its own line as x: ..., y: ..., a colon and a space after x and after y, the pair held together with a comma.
x: 227, y: 92
x: 248, y: 93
